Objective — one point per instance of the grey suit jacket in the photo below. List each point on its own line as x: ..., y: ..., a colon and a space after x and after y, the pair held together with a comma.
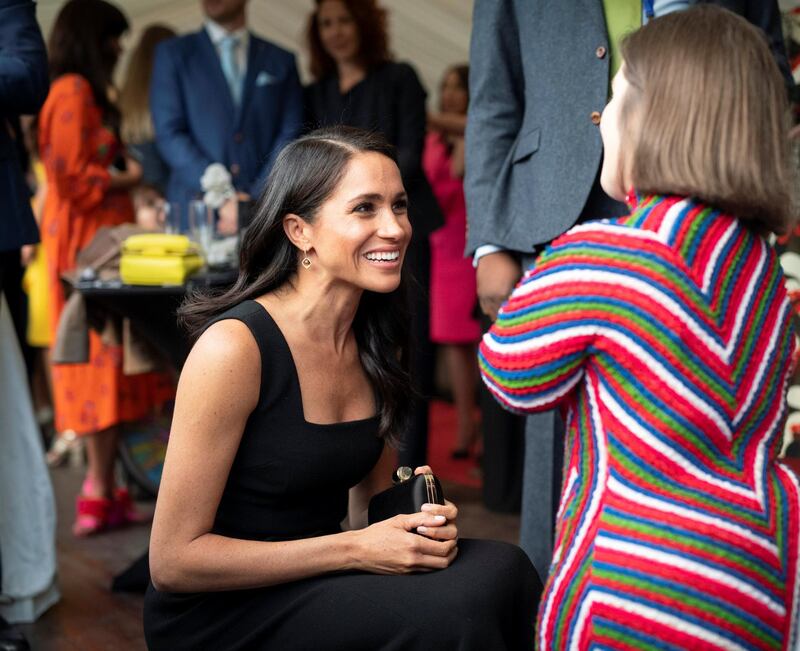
x: 536, y: 77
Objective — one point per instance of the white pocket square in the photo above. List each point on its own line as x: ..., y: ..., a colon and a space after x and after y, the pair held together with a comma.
x: 264, y: 78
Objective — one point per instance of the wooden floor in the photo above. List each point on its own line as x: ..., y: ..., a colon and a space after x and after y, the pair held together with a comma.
x: 89, y: 617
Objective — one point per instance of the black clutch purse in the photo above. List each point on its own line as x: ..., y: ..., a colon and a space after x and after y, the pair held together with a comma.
x: 408, y: 495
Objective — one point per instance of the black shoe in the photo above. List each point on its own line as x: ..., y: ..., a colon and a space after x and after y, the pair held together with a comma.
x: 11, y: 639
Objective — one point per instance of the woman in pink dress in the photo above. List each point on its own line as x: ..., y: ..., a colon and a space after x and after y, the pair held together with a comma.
x: 453, y: 295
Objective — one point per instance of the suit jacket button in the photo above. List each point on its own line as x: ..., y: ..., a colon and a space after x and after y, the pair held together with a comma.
x: 238, y: 136
x: 601, y: 52
x: 235, y: 168
x: 595, y: 117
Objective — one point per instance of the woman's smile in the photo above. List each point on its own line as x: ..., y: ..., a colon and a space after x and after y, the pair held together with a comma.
x: 384, y: 258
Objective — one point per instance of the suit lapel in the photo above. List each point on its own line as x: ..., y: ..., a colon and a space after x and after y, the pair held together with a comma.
x: 255, y: 52
x: 210, y: 62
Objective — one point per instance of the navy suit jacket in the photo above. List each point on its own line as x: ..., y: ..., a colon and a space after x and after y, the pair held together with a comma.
x: 24, y: 83
x: 197, y: 123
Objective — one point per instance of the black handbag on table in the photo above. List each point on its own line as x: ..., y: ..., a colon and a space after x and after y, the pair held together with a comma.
x: 408, y: 495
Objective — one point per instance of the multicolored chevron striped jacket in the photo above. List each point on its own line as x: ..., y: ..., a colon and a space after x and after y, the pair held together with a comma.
x: 665, y: 336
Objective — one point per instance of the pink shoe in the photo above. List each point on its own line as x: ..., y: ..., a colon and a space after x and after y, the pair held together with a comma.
x: 91, y: 515
x: 124, y: 511
x: 121, y: 510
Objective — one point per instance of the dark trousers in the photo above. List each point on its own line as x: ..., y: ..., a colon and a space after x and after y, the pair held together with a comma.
x: 414, y: 450
x: 503, y: 451
x: 11, y: 287
x: 11, y: 272
x: 541, y: 487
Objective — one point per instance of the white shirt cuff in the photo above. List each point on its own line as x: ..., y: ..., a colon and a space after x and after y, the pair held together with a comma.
x: 483, y: 250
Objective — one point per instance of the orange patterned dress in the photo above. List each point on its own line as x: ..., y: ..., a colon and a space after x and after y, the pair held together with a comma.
x: 77, y: 149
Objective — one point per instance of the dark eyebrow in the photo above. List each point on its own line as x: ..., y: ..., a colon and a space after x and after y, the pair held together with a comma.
x: 367, y: 197
x: 374, y: 196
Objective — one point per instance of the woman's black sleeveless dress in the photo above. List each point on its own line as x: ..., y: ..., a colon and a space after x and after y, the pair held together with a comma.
x: 290, y: 480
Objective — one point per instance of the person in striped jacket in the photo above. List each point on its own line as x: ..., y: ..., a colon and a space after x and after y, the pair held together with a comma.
x: 665, y: 337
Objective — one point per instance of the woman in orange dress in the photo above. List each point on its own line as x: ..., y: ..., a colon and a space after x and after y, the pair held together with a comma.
x: 89, y: 178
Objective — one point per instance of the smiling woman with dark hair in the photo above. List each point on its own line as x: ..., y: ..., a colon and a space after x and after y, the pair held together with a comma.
x: 357, y: 84
x: 287, y: 407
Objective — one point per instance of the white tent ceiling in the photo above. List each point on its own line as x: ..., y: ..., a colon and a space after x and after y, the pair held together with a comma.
x: 430, y: 34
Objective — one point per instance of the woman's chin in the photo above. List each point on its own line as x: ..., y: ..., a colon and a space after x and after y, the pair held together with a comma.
x: 612, y: 188
x: 381, y: 285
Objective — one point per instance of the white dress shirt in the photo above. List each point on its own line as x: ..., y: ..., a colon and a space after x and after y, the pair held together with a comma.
x: 217, y: 33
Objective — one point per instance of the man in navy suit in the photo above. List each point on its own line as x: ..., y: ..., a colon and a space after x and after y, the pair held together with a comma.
x: 222, y: 95
x: 24, y: 82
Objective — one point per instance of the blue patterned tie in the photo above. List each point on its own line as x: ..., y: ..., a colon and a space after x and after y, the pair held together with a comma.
x: 228, y: 49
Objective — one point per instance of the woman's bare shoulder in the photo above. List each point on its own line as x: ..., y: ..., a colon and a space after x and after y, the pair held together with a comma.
x: 226, y: 358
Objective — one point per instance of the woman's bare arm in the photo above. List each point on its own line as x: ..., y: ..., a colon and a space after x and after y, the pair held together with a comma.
x: 451, y: 124
x: 457, y: 159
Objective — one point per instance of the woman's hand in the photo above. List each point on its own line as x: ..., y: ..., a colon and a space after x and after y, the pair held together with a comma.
x: 128, y: 178
x: 392, y: 547
x: 448, y: 123
x: 448, y: 529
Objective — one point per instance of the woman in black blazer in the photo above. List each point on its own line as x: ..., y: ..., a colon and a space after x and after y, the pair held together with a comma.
x: 357, y: 84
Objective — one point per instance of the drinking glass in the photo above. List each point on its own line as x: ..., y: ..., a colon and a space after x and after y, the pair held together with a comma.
x: 170, y: 217
x: 201, y: 224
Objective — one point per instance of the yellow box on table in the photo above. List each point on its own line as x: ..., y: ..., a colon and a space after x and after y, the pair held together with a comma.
x: 158, y: 259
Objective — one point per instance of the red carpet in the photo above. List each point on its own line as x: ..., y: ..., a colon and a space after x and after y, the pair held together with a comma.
x: 441, y: 441
x: 793, y: 463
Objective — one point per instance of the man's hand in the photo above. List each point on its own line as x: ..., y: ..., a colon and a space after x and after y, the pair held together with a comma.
x: 228, y: 223
x: 27, y: 254
x: 497, y: 274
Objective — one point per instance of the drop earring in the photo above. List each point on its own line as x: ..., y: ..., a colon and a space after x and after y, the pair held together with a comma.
x: 306, y: 261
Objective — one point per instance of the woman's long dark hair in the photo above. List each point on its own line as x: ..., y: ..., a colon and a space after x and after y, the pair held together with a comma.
x: 304, y: 175
x: 80, y: 43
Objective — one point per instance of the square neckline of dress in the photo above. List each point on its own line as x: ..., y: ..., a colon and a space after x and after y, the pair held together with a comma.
x: 298, y: 387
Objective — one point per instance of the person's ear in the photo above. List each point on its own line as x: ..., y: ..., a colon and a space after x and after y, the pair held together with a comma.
x: 299, y: 231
